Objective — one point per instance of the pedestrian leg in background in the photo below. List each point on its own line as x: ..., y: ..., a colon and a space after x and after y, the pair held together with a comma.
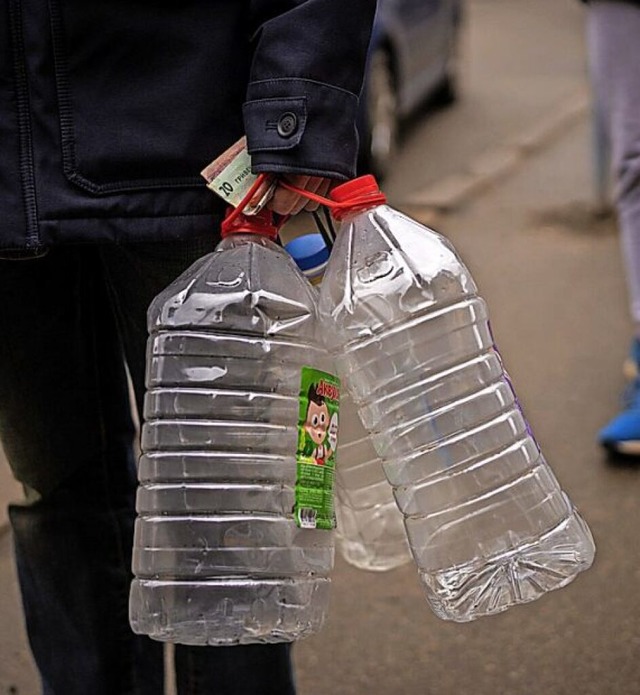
x: 613, y: 39
x: 601, y: 160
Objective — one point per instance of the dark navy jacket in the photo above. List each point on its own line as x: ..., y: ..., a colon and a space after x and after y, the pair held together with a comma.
x: 109, y: 109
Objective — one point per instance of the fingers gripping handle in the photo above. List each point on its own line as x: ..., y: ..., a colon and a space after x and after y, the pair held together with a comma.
x: 358, y: 194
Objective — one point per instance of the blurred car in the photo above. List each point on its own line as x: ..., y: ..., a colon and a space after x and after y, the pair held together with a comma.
x: 413, y: 60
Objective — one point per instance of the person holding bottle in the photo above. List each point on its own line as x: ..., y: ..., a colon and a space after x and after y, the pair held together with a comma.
x: 613, y: 40
x: 108, y: 112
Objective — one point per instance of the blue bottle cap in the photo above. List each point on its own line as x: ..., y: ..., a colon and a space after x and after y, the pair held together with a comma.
x: 308, y: 251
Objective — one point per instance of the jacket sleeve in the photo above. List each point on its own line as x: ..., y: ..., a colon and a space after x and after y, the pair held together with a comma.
x: 306, y: 77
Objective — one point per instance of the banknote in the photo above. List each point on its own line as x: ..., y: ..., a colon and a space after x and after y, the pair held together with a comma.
x: 229, y: 176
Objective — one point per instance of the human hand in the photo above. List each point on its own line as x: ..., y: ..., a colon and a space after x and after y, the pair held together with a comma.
x: 286, y: 202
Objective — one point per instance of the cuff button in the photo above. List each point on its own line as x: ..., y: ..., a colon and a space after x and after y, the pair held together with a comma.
x: 287, y: 124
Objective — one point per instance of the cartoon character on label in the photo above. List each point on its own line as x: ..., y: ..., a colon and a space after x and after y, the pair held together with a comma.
x: 320, y: 428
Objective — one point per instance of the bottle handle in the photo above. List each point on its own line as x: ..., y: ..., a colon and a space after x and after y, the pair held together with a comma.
x: 357, y: 198
x: 233, y: 215
x: 357, y: 194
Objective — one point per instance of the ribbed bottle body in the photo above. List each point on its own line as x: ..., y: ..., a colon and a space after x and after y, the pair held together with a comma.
x: 370, y: 534
x: 218, y: 555
x: 487, y: 522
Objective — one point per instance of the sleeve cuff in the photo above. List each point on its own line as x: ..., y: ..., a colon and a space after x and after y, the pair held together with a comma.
x: 301, y: 126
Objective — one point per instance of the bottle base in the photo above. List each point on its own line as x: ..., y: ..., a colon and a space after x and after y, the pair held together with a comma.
x: 490, y: 586
x: 381, y: 558
x: 230, y: 611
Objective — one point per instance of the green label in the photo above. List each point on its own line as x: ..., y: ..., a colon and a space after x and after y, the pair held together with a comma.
x: 316, y: 455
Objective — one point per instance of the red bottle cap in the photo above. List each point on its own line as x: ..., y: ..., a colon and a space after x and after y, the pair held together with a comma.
x: 358, y: 194
x: 261, y: 223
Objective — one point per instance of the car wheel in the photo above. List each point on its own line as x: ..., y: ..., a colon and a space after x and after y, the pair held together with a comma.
x: 381, y: 115
x: 448, y: 90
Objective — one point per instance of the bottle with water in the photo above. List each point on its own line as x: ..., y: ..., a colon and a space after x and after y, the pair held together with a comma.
x: 487, y: 522
x: 233, y: 541
x: 370, y: 532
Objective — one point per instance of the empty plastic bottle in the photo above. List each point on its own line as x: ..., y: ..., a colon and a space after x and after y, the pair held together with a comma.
x: 487, y: 521
x: 233, y: 541
x: 370, y: 534
x: 370, y: 531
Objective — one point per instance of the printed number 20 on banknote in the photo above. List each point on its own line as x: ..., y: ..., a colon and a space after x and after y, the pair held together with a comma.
x: 229, y: 176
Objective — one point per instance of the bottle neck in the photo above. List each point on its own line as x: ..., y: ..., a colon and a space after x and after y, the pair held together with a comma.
x: 347, y: 214
x: 261, y: 224
x: 356, y: 196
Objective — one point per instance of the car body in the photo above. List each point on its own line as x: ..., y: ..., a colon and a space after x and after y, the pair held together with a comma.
x: 413, y: 59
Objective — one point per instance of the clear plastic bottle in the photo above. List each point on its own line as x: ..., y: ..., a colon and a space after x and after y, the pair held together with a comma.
x: 227, y: 548
x: 487, y: 521
x: 370, y: 532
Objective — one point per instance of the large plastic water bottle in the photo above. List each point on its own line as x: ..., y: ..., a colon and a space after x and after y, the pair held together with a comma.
x: 487, y: 521
x: 370, y: 532
x: 233, y: 541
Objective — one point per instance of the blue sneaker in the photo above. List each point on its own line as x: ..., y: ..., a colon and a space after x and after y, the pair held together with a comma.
x: 622, y: 434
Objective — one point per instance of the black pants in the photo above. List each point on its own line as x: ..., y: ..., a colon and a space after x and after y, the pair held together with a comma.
x: 67, y: 320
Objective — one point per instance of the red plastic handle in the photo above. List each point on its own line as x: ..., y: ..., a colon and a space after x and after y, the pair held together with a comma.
x: 358, y: 194
x: 232, y: 216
